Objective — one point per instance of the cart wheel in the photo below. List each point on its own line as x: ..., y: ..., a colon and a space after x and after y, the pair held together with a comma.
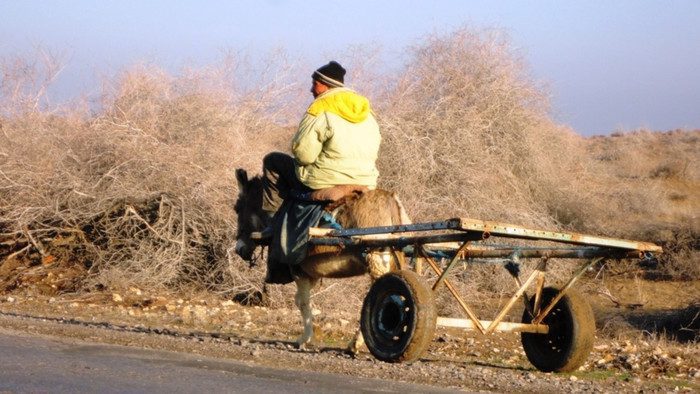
x: 571, y: 332
x: 398, y: 317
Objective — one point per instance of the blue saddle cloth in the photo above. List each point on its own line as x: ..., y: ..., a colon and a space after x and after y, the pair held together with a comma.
x: 289, y: 244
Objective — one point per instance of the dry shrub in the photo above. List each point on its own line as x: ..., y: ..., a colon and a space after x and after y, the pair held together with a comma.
x: 145, y: 187
x: 24, y: 81
x: 466, y: 134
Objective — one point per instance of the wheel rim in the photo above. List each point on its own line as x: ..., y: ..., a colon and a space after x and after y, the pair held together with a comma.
x: 558, y: 340
x: 571, y: 333
x: 398, y: 317
x: 393, y: 317
x: 549, y: 352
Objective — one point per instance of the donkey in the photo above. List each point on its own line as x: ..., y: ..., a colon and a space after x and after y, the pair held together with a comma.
x: 373, y: 208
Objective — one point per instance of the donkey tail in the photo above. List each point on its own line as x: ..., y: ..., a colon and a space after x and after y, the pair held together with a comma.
x: 398, y: 212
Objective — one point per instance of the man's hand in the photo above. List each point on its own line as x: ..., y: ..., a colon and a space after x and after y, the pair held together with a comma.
x: 335, y: 193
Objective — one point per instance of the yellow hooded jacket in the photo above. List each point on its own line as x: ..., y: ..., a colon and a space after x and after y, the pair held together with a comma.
x: 337, y: 142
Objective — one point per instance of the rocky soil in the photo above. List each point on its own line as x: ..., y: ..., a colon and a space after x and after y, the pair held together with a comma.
x: 205, y: 324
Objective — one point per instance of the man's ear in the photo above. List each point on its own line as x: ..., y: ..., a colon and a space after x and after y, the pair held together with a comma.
x: 242, y: 178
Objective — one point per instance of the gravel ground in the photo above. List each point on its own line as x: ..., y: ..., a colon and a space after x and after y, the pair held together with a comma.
x: 265, y: 336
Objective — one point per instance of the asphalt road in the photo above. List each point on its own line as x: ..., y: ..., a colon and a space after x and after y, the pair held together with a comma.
x: 43, y: 364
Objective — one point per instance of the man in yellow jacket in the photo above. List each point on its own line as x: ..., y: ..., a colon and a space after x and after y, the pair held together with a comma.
x: 334, y: 149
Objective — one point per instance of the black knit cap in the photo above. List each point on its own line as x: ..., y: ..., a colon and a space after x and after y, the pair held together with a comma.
x: 331, y: 74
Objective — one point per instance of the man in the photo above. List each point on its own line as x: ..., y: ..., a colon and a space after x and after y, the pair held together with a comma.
x: 334, y: 153
x: 334, y: 149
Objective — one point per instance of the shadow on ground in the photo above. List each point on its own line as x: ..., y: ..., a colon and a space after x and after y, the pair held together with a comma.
x: 680, y: 325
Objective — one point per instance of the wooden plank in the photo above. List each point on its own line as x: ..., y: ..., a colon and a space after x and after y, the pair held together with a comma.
x: 515, y: 231
x: 501, y: 327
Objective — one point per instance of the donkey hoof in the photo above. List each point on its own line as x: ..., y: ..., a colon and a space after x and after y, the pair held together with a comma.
x: 302, y: 344
x: 352, y: 350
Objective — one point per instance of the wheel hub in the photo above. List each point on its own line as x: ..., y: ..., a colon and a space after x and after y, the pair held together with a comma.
x: 392, y: 316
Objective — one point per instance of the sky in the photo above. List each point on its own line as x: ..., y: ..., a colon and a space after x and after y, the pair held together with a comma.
x: 608, y: 65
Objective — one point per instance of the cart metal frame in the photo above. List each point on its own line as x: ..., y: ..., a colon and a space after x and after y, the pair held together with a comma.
x: 458, y: 240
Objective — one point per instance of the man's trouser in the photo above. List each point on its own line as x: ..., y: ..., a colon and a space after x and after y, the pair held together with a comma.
x: 279, y: 179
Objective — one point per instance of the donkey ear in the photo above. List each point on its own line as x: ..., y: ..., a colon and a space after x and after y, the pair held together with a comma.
x: 242, y: 178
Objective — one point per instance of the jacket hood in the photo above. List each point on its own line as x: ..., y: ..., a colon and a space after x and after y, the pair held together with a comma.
x: 342, y: 102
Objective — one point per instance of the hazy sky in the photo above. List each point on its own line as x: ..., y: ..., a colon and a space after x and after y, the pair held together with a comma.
x: 609, y: 64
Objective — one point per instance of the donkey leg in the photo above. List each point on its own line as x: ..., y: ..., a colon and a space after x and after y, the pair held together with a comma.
x: 303, y: 302
x: 355, y: 344
x: 379, y: 263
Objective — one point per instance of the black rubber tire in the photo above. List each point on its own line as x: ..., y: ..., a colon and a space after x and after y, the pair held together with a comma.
x: 398, y: 317
x: 571, y: 333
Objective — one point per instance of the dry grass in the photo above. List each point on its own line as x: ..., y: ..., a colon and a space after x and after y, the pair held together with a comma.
x: 145, y: 187
x: 140, y: 192
x: 650, y: 182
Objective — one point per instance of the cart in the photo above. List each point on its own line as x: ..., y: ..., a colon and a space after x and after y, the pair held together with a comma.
x: 399, y: 315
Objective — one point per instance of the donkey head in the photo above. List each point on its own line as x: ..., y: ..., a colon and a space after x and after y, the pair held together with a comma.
x: 249, y: 210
